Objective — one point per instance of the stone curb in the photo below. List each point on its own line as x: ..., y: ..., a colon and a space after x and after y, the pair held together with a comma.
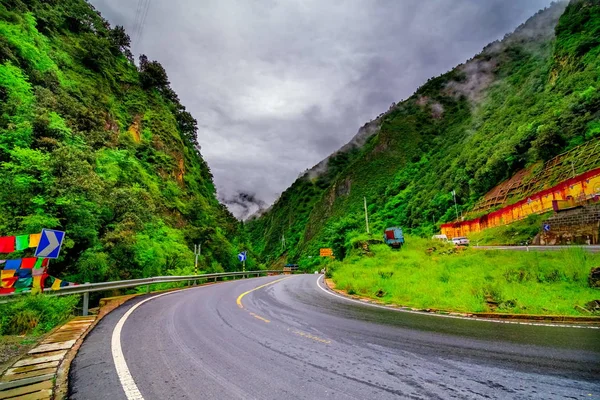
x: 32, y: 376
x: 61, y: 385
x: 493, y: 316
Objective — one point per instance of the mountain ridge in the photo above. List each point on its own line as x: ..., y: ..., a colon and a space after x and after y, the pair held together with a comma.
x: 102, y: 149
x: 472, y: 104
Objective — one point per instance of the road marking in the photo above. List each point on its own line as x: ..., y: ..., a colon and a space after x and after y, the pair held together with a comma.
x: 241, y: 296
x: 259, y: 317
x: 131, y: 390
x: 129, y: 387
x: 309, y: 336
x: 332, y: 293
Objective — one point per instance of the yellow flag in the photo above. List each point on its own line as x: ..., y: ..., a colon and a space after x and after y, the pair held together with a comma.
x: 56, y: 284
x: 34, y: 239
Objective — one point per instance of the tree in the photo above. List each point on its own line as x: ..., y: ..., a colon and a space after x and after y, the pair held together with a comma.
x: 188, y: 126
x: 153, y: 75
x: 120, y: 42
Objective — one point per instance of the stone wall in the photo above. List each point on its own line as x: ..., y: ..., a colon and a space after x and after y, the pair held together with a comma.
x: 579, y: 225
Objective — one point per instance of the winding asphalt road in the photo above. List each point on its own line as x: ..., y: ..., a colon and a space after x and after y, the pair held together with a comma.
x: 274, y: 338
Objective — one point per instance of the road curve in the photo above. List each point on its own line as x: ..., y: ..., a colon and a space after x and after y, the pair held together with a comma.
x: 273, y: 338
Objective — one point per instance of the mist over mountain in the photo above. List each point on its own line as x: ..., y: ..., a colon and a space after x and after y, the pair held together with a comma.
x: 519, y: 102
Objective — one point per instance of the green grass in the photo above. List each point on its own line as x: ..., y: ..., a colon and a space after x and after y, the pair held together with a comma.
x: 35, y: 314
x: 519, y: 282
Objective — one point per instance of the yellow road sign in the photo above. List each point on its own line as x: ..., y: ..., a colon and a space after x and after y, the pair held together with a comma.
x: 326, y: 252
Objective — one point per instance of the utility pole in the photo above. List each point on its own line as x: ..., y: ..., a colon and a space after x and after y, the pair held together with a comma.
x: 197, y: 252
x: 455, y: 205
x: 366, y: 215
x: 283, y: 241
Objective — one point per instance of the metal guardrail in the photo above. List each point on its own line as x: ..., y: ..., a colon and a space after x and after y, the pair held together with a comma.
x: 87, y: 288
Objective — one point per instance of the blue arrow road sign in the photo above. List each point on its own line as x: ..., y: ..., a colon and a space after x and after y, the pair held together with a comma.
x: 546, y: 227
x: 242, y: 256
x: 50, y: 243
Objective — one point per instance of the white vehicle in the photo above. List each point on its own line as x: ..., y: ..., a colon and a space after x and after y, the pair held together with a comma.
x: 460, y: 241
x: 442, y: 238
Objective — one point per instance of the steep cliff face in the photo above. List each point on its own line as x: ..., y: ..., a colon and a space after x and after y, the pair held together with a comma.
x: 520, y: 101
x: 92, y: 144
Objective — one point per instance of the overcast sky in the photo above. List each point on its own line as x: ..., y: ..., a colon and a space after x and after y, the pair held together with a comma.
x: 276, y: 86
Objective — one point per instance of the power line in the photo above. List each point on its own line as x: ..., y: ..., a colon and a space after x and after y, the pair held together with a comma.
x: 138, y: 11
x: 142, y: 22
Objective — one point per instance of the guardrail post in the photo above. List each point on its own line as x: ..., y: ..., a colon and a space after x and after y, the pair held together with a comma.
x: 86, y: 302
x: 147, y: 289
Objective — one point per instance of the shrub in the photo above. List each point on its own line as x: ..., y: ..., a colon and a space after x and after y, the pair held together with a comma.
x: 35, y: 314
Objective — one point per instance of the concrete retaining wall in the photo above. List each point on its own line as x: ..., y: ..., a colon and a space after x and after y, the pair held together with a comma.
x: 575, y: 226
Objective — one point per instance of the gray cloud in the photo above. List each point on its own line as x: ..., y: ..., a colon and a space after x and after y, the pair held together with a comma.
x: 276, y: 86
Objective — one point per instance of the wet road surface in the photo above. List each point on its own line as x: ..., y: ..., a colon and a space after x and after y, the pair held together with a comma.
x: 290, y: 339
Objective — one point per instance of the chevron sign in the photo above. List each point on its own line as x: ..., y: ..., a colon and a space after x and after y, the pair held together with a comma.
x: 50, y: 243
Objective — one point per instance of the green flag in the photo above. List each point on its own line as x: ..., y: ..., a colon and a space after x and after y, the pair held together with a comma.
x: 22, y: 242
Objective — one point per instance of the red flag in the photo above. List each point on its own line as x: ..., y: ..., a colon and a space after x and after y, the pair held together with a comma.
x: 7, y: 244
x: 28, y: 263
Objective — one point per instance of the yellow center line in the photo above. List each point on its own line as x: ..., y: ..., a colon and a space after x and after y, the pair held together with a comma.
x: 259, y: 317
x: 241, y: 296
x: 313, y: 337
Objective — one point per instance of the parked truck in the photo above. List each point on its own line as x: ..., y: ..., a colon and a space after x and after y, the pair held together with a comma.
x: 393, y: 237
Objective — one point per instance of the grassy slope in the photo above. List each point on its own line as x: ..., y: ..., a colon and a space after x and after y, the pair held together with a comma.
x: 542, y: 97
x: 519, y: 282
x: 132, y: 203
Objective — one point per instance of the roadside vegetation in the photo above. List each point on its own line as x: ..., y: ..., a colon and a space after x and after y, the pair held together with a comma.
x: 35, y: 314
x: 23, y: 321
x: 426, y: 274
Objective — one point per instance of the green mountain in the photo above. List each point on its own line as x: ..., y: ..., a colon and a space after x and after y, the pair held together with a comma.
x: 93, y: 145
x: 520, y: 101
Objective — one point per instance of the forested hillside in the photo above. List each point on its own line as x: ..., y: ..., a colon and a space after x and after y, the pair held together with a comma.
x: 93, y: 145
x: 519, y: 102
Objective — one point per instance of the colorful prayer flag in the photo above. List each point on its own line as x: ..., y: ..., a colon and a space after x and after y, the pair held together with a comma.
x: 7, y: 273
x: 37, y: 284
x: 7, y: 244
x: 34, y: 239
x: 56, y: 284
x: 12, y: 264
x: 38, y: 263
x: 23, y: 283
x: 22, y: 242
x: 8, y: 282
x: 23, y: 273
x: 28, y: 262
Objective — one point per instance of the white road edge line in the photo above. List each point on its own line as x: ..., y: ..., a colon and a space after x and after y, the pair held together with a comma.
x: 332, y: 293
x: 129, y: 387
